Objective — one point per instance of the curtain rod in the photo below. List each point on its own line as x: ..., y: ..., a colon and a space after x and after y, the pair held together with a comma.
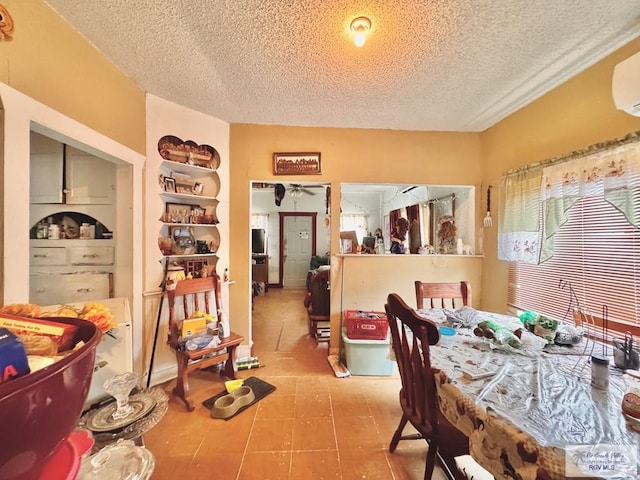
x: 451, y: 196
x: 591, y: 149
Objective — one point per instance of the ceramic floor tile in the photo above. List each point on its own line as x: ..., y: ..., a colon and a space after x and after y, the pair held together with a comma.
x: 264, y: 466
x: 276, y: 406
x: 323, y: 436
x: 313, y: 405
x: 357, y: 436
x: 349, y: 405
x: 315, y: 384
x: 372, y: 466
x: 233, y: 433
x: 284, y: 385
x: 314, y: 434
x: 315, y: 465
x: 221, y: 464
x: 168, y: 466
x: 271, y: 435
x: 409, y: 464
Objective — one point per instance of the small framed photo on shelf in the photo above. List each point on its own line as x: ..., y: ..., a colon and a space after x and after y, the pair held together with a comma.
x: 198, y: 188
x: 179, y: 212
x: 184, y: 183
x: 296, y: 163
x: 169, y: 185
x: 196, y: 214
x: 348, y: 242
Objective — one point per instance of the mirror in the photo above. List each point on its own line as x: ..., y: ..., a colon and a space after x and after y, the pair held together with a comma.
x: 368, y: 209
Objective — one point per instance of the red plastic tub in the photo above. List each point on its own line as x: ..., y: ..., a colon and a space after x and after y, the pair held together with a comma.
x: 40, y: 410
x: 363, y: 325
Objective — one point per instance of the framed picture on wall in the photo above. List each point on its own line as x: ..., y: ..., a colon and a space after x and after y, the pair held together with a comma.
x: 296, y: 163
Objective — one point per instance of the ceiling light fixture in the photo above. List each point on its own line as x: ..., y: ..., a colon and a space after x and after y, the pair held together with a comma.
x: 360, y: 26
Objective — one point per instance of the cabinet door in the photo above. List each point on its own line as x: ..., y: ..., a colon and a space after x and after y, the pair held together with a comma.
x: 45, y: 185
x: 89, y: 179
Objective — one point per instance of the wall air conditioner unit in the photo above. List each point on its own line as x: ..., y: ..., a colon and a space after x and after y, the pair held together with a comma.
x: 626, y: 85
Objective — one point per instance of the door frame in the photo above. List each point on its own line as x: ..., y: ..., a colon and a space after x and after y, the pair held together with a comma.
x: 282, y: 215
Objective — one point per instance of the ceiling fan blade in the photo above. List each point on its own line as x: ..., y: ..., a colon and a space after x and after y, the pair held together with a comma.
x: 307, y: 191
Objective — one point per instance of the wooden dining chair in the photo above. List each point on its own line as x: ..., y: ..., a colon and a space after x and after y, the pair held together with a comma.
x: 411, y: 336
x: 189, y: 296
x: 442, y: 294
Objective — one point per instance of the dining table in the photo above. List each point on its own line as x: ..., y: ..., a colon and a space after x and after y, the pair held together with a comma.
x: 529, y: 408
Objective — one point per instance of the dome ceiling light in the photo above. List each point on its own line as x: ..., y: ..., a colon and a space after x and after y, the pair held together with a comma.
x: 360, y: 26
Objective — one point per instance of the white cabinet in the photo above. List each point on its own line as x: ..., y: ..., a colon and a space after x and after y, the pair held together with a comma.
x: 67, y: 271
x: 63, y: 174
x: 69, y: 186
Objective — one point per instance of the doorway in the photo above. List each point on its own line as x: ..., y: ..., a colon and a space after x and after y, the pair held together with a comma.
x: 297, y: 245
x: 303, y: 207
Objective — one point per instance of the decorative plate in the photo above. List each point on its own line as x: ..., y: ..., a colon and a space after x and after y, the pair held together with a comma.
x: 102, y: 419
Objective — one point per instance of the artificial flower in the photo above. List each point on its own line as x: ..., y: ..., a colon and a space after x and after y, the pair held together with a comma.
x: 98, y: 314
x: 21, y: 309
x: 93, y: 312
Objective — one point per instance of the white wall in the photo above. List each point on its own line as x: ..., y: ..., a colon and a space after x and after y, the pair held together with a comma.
x: 364, y: 203
x: 166, y: 118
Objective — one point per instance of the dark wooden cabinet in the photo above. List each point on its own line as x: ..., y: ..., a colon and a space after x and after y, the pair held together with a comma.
x: 260, y: 269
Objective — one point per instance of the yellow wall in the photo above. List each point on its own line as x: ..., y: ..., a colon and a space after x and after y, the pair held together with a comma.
x: 348, y: 155
x: 51, y: 63
x: 575, y: 115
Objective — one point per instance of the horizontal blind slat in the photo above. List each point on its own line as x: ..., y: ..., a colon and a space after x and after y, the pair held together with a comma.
x: 598, y: 253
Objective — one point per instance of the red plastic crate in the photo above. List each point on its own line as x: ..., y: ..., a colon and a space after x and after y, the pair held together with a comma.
x: 363, y: 325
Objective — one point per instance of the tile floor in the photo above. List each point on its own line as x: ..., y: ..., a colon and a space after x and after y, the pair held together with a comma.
x: 313, y: 426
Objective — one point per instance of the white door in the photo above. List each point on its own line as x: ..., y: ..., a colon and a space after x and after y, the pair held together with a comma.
x: 297, y: 250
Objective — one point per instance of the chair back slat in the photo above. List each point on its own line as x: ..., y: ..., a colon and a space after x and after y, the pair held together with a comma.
x: 442, y: 294
x: 411, y: 336
x: 196, y: 295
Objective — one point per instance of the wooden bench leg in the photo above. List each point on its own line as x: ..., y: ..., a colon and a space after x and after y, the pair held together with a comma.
x: 182, y: 383
x: 230, y: 364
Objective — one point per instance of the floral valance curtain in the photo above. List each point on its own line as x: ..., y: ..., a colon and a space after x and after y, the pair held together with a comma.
x: 534, y: 201
x: 612, y: 173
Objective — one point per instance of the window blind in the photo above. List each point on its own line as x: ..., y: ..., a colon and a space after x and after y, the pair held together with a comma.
x: 598, y: 252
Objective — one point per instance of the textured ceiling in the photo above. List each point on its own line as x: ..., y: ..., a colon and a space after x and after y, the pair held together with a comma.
x: 444, y: 65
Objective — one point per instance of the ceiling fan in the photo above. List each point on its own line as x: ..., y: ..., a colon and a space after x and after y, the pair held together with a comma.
x: 297, y: 190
